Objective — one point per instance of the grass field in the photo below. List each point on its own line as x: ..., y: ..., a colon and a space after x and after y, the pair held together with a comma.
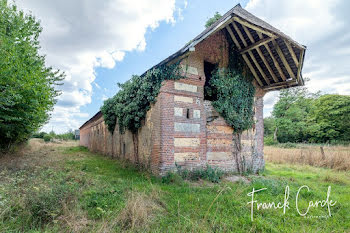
x: 334, y: 157
x: 64, y: 188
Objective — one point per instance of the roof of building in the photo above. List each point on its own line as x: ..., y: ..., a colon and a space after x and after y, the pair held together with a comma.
x: 92, y: 119
x: 274, y: 59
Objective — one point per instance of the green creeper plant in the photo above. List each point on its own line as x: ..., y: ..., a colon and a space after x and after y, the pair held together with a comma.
x: 129, y: 106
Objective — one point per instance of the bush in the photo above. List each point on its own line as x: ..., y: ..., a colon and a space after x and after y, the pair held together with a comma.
x: 287, y: 145
x: 172, y: 178
x: 39, y: 135
x: 268, y: 141
x: 209, y: 173
x: 47, y: 138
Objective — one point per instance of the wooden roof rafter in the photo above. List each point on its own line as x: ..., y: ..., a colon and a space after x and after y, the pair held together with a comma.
x: 251, y: 68
x: 251, y: 55
x: 262, y: 57
x: 271, y: 65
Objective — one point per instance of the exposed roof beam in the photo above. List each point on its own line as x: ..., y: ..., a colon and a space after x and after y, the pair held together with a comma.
x: 233, y: 37
x: 244, y: 56
x: 280, y: 85
x: 267, y: 65
x: 239, y: 33
x: 259, y: 67
x: 246, y: 30
x: 250, y: 53
x: 285, y: 63
x: 289, y: 46
x: 260, y: 54
x: 252, y: 69
x: 273, y: 59
x: 256, y: 45
x: 252, y: 26
x: 300, y: 81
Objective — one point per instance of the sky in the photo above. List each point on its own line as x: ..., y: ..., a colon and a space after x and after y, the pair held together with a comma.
x: 100, y: 43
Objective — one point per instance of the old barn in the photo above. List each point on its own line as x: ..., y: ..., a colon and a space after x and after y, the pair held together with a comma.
x: 181, y: 127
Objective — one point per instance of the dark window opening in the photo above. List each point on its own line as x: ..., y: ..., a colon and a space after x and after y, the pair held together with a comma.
x: 123, y: 149
x: 209, y: 68
x: 188, y: 114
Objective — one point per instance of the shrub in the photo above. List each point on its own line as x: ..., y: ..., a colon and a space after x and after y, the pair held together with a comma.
x: 209, y: 173
x: 76, y: 149
x: 47, y: 138
x: 268, y: 141
x: 172, y: 177
x: 287, y: 145
x: 39, y: 135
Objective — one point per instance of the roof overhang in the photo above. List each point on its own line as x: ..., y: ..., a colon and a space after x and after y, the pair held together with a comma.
x: 274, y: 59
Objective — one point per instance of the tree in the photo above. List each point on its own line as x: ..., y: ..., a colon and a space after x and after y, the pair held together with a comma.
x: 331, y: 118
x: 213, y: 19
x: 269, y: 126
x: 27, y: 86
x: 291, y: 114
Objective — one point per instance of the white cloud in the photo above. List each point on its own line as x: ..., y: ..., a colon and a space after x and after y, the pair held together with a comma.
x: 79, y: 36
x: 322, y: 27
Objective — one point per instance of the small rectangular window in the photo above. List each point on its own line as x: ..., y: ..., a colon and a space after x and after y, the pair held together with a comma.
x: 188, y: 114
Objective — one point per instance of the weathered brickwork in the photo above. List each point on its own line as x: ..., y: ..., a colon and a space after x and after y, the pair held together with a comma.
x: 182, y: 128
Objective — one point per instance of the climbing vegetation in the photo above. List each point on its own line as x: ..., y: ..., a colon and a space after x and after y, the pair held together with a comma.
x: 234, y: 98
x: 130, y: 105
x: 233, y: 93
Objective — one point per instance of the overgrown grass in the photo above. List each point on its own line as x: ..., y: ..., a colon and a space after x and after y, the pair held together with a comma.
x: 334, y: 157
x: 86, y: 192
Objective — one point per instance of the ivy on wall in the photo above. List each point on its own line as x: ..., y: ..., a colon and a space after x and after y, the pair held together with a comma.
x: 233, y: 92
x: 130, y: 105
x: 234, y: 98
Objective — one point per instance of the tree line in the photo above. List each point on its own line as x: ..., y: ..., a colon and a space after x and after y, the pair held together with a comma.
x: 302, y: 116
x: 69, y: 135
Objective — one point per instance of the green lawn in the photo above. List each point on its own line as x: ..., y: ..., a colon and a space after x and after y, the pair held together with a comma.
x: 86, y: 192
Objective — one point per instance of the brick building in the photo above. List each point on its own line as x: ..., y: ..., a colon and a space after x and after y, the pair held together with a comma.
x: 182, y: 127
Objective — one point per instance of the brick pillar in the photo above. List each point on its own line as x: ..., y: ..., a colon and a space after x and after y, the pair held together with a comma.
x: 258, y: 155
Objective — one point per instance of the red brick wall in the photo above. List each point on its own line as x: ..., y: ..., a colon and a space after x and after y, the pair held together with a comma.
x: 96, y: 136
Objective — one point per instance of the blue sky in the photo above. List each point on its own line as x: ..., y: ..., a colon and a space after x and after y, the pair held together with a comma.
x: 161, y: 43
x: 100, y: 43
